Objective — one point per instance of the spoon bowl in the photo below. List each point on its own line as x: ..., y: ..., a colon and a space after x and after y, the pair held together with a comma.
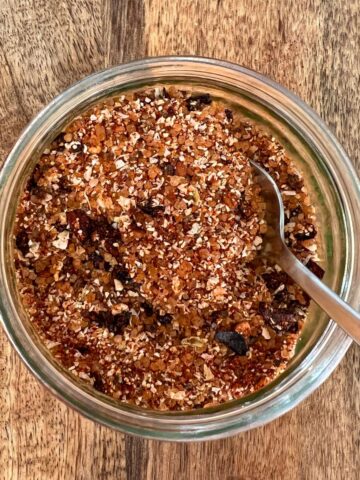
x: 274, y: 247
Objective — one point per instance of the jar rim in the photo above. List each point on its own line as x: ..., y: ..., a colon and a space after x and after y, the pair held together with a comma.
x: 332, y: 345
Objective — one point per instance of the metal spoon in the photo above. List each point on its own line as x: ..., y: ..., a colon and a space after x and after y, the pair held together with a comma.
x: 274, y: 246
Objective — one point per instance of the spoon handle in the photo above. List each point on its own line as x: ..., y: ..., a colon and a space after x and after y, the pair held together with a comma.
x: 344, y: 315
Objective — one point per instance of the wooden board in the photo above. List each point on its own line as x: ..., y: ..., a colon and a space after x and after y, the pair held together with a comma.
x: 310, y: 46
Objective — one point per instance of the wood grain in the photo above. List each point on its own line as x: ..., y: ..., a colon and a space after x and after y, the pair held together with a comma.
x: 310, y: 46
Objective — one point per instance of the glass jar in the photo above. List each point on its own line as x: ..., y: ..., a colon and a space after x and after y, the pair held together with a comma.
x: 334, y: 189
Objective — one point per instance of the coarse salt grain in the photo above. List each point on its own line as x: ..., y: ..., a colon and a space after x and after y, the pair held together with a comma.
x: 62, y: 240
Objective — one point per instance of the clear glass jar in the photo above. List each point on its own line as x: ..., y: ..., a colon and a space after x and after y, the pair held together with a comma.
x: 334, y: 188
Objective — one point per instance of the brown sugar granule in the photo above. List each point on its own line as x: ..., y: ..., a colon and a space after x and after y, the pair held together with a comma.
x: 137, y: 242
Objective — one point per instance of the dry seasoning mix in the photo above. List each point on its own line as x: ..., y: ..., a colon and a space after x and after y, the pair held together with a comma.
x: 137, y: 252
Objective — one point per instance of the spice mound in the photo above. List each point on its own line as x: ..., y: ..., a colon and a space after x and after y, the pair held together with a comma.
x: 137, y: 242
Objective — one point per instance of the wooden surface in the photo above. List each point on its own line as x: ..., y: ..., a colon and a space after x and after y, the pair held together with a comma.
x: 312, y: 47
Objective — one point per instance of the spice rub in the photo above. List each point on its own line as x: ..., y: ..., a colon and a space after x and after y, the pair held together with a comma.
x: 137, y: 242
